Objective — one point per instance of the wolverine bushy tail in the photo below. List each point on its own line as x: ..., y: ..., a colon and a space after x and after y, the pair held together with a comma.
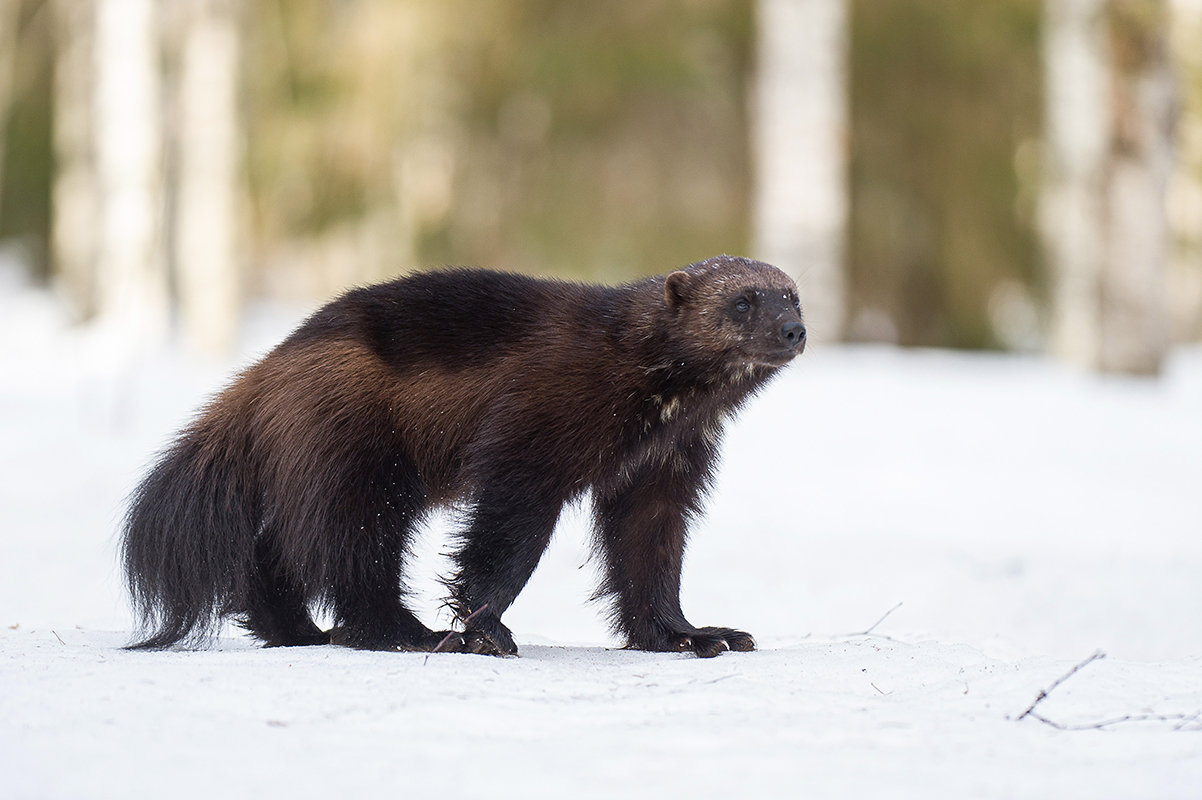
x: 188, y: 545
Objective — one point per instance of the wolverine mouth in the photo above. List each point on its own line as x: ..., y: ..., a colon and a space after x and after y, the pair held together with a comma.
x: 776, y: 359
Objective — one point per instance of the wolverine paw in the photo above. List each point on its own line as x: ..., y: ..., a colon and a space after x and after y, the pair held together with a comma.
x: 739, y: 641
x: 710, y: 641
x: 428, y: 642
x: 476, y: 642
x: 356, y: 639
x: 466, y: 642
x: 470, y: 642
x: 483, y: 644
x: 491, y: 636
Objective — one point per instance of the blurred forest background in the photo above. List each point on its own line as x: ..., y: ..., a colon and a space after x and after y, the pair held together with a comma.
x: 1020, y: 174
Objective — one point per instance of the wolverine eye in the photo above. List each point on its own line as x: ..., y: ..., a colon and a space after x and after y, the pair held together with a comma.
x: 742, y: 306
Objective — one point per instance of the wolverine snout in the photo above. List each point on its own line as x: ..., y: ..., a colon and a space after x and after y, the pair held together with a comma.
x: 794, y: 334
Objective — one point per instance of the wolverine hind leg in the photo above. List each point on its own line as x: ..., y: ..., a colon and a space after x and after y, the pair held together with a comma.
x: 368, y: 527
x: 276, y: 610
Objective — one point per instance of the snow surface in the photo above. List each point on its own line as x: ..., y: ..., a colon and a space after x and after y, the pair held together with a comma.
x: 1024, y: 515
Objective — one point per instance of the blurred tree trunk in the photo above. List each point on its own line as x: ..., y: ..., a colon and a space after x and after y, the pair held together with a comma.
x: 800, y: 122
x: 1077, y: 142
x: 1135, y: 313
x: 1185, y: 192
x: 73, y: 215
x: 1109, y: 151
x: 10, y: 17
x: 132, y: 298
x: 209, y: 193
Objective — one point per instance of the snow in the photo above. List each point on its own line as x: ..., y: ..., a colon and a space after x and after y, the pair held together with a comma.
x: 1023, y: 514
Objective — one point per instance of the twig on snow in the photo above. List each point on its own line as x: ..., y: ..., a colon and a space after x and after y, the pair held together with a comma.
x: 723, y: 677
x: 1043, y: 693
x: 872, y: 627
x: 1183, y: 720
x: 60, y: 639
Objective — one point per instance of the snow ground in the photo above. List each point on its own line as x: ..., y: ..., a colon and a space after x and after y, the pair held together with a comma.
x: 1024, y: 515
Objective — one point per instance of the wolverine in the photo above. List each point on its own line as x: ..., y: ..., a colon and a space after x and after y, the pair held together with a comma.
x: 299, y: 487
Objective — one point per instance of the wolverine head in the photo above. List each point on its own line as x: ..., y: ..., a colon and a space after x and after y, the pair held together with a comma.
x: 747, y: 309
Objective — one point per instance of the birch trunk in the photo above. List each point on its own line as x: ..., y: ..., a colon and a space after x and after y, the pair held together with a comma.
x: 208, y: 200
x: 132, y: 300
x: 1185, y: 192
x: 800, y: 121
x: 73, y: 222
x: 1077, y: 142
x: 1109, y: 127
x: 1134, y: 292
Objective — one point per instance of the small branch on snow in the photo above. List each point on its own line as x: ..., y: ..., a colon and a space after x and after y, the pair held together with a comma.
x: 723, y: 677
x: 872, y: 627
x: 1043, y: 693
x: 60, y: 639
x: 1183, y: 720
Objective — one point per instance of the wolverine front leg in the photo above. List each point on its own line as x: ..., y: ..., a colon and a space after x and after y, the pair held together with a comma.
x: 641, y: 530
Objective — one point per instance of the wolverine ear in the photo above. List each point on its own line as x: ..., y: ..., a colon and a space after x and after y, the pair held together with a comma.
x: 676, y: 288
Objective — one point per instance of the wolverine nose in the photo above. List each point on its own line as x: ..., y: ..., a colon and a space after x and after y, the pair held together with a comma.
x: 794, y: 334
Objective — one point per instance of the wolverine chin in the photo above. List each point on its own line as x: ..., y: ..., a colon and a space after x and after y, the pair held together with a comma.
x: 778, y: 359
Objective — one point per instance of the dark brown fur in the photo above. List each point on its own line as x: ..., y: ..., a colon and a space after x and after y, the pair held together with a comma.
x: 303, y: 481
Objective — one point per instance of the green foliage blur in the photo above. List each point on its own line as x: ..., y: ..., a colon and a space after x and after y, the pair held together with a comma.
x: 604, y: 141
x: 946, y: 118
x: 28, y: 162
x: 596, y: 140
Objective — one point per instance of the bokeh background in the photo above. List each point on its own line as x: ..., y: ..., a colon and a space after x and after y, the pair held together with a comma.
x: 1017, y: 174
